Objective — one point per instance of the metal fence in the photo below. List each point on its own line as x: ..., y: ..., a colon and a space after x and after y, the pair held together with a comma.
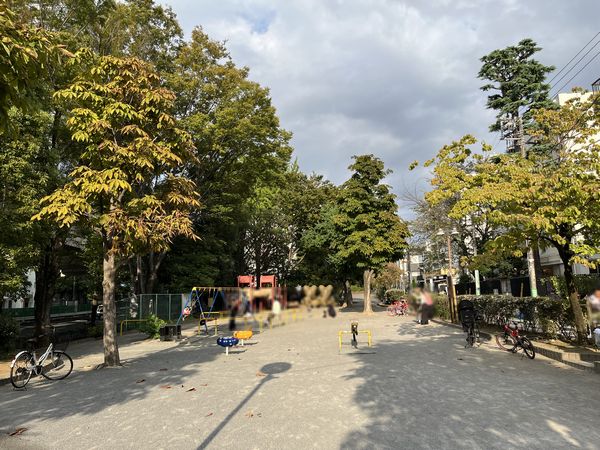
x: 165, y: 306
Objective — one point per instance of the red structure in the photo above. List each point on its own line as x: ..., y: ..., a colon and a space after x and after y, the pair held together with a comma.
x: 268, y: 281
x: 246, y: 281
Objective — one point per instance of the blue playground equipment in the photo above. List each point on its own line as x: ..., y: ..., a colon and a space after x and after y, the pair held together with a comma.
x: 193, y: 306
x: 227, y: 342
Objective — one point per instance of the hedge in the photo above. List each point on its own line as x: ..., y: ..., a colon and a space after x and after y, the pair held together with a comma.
x: 551, y: 317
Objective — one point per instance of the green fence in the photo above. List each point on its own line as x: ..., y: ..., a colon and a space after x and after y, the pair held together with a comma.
x: 166, y: 306
x: 56, y: 309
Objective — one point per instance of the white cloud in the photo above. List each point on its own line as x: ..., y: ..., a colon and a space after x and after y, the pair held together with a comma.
x: 393, y: 78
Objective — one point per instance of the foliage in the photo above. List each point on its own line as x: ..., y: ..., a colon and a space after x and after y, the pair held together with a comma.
x: 152, y: 326
x: 388, y: 278
x: 585, y: 284
x: 95, y: 331
x: 25, y: 55
x: 369, y: 231
x: 552, y: 317
x: 519, y: 82
x: 392, y: 295
x: 441, y: 307
x: 552, y: 197
x: 128, y: 186
x: 9, y: 332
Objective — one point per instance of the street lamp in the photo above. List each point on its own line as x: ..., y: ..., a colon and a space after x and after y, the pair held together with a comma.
x: 451, y: 289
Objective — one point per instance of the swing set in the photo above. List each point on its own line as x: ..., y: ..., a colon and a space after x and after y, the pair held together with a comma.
x: 193, y: 306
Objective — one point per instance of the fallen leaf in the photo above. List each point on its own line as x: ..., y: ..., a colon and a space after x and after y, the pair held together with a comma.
x: 163, y: 369
x: 140, y: 381
x: 190, y: 390
x: 460, y: 359
x: 204, y: 384
x: 18, y: 431
x: 165, y: 387
x: 208, y: 415
x: 249, y: 414
x: 260, y: 374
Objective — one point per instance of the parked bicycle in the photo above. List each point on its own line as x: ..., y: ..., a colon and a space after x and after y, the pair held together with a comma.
x: 398, y: 308
x: 511, y: 341
x: 469, y: 319
x: 53, y: 365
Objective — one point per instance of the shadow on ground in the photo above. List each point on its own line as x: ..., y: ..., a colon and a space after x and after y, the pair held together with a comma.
x: 90, y: 392
x: 430, y: 392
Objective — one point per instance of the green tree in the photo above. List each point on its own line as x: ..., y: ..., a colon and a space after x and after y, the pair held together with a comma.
x: 240, y: 148
x: 371, y: 233
x: 551, y: 197
x: 518, y: 81
x: 121, y: 113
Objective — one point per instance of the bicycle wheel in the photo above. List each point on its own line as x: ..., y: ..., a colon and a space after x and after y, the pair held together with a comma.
x: 58, y: 366
x: 21, y: 370
x: 528, y: 348
x: 505, y: 341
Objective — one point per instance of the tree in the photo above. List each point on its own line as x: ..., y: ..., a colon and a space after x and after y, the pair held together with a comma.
x: 551, y: 197
x: 25, y: 54
x: 120, y: 112
x: 240, y: 150
x: 518, y: 80
x: 371, y: 232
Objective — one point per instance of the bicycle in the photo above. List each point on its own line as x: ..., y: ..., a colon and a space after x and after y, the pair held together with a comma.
x: 510, y: 340
x: 470, y: 319
x: 52, y: 365
x: 398, y: 308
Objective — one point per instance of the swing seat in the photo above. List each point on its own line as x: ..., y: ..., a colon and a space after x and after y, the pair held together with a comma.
x: 243, y: 334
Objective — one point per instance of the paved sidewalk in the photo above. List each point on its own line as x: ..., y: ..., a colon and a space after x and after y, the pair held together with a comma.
x: 418, y: 387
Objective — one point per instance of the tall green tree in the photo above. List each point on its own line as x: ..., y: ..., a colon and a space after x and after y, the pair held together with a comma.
x: 550, y: 197
x: 369, y: 229
x: 121, y: 113
x: 517, y: 80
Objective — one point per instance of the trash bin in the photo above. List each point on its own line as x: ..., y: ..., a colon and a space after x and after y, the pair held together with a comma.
x: 170, y: 332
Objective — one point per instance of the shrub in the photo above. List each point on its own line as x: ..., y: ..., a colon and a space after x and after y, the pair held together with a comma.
x: 9, y: 333
x: 152, y: 326
x: 393, y: 295
x: 441, y: 308
x: 552, y: 317
x: 96, y: 331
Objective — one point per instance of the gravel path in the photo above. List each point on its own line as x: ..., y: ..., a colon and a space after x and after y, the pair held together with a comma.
x: 289, y: 388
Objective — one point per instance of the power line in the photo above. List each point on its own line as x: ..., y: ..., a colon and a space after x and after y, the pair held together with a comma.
x: 578, y: 72
x: 567, y: 65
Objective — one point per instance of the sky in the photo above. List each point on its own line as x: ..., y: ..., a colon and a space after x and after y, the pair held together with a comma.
x: 394, y: 78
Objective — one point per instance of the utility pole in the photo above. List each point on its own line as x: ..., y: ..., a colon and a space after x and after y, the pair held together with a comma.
x: 512, y: 133
x: 477, y: 282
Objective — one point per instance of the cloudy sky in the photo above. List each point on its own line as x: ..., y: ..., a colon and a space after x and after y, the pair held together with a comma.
x: 389, y: 77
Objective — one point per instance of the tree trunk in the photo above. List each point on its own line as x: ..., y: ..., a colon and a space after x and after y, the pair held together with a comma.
x: 367, y: 277
x: 45, y: 281
x: 111, y: 349
x: 574, y: 300
x: 348, y: 293
x: 153, y: 266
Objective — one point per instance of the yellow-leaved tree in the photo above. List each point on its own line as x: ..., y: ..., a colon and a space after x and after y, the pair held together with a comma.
x: 129, y: 185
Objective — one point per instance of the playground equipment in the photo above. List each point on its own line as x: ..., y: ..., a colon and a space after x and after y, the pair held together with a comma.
x: 243, y: 335
x: 227, y: 342
x: 246, y: 281
x: 354, y: 331
x: 193, y: 306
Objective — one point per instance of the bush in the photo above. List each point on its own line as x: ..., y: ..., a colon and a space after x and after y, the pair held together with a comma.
x: 96, y: 331
x: 393, y: 295
x: 441, y: 308
x: 552, y: 317
x: 152, y: 326
x: 9, y: 333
